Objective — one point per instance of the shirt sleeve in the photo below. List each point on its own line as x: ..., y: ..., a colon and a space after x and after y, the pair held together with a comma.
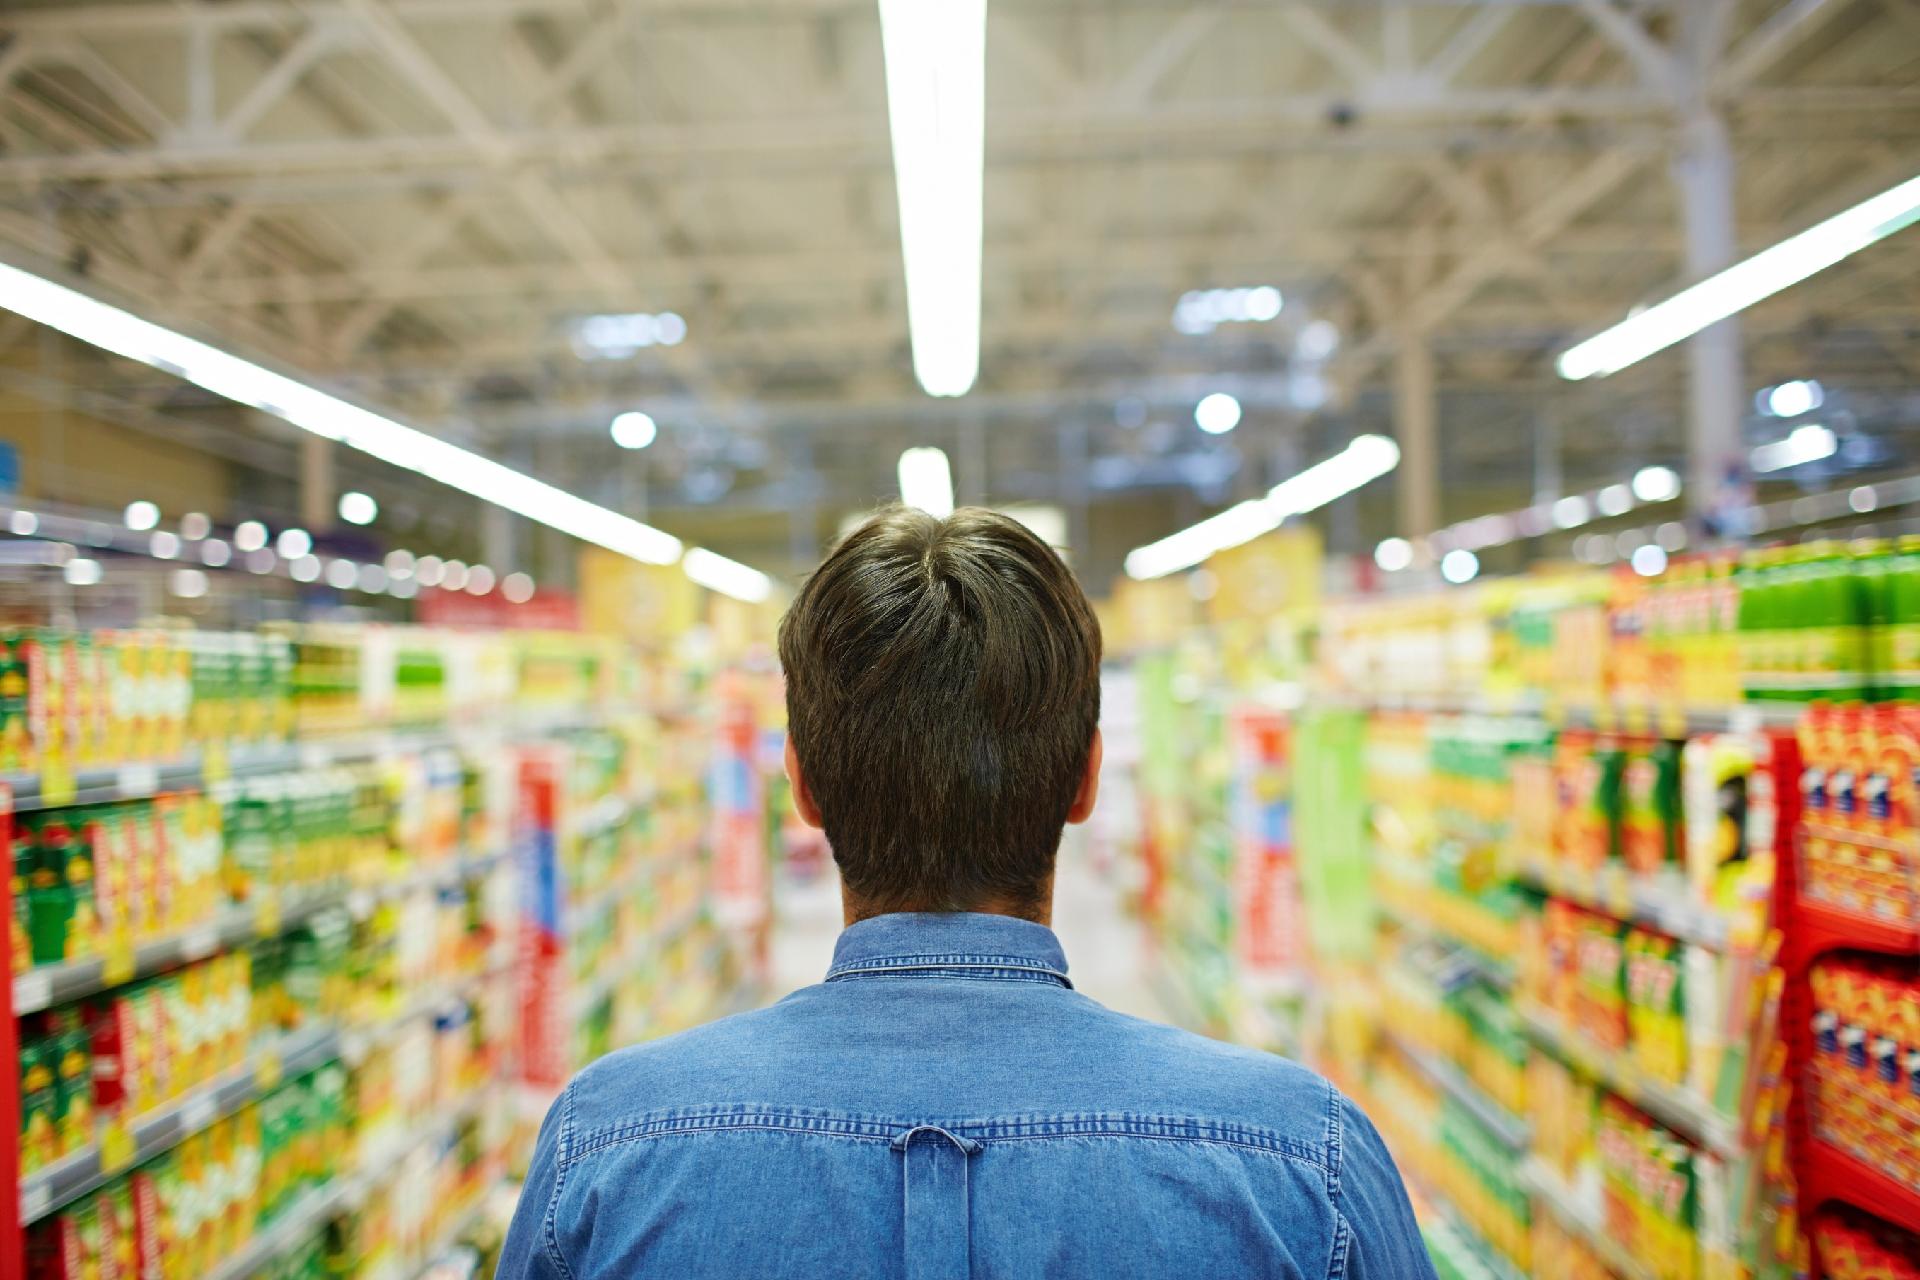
x: 530, y: 1251
x: 1384, y: 1242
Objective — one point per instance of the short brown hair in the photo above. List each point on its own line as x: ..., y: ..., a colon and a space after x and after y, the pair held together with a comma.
x: 943, y: 686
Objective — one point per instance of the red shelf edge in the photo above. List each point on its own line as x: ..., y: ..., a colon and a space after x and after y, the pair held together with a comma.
x: 1832, y: 1174
x: 1826, y: 927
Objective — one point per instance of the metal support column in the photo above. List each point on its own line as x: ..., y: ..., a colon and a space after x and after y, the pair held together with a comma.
x: 317, y: 497
x: 1415, y: 423
x: 1703, y: 171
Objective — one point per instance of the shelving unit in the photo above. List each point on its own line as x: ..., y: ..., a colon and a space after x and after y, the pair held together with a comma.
x: 1826, y: 1173
x: 1559, y: 1199
x: 1663, y: 904
x: 1680, y: 1109
x: 270, y: 915
x: 170, y: 1124
x: 1502, y: 1123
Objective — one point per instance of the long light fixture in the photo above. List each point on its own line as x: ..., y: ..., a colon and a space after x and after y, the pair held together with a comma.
x: 1809, y: 442
x: 926, y: 481
x: 729, y: 577
x: 1365, y: 459
x: 1738, y: 287
x: 936, y: 55
x: 312, y: 409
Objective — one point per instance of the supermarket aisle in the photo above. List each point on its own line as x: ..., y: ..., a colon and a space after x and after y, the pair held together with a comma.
x: 1105, y: 947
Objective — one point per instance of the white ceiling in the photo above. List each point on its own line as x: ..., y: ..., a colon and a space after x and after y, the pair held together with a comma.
x: 414, y: 197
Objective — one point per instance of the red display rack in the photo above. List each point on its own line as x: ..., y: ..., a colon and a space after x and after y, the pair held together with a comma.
x: 13, y: 1245
x: 1824, y: 1172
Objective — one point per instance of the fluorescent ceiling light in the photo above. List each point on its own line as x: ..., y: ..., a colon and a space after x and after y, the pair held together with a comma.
x: 728, y: 577
x: 926, y: 481
x: 1393, y: 554
x: 1791, y: 399
x: 1656, y: 484
x: 82, y: 571
x: 1740, y: 286
x: 312, y: 409
x: 1649, y: 560
x: 142, y: 515
x: 1217, y: 414
x: 358, y: 508
x: 633, y: 429
x: 1809, y: 443
x: 1367, y: 458
x: 936, y: 55
x: 1571, y: 512
x: 1459, y: 565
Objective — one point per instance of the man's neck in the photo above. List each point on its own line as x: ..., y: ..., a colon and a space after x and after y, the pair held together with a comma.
x: 853, y: 910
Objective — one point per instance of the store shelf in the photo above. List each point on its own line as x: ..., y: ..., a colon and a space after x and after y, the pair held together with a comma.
x: 47, y: 985
x: 1661, y: 904
x: 293, y: 1227
x: 1564, y: 1205
x: 1469, y: 959
x: 1473, y: 1258
x: 1821, y: 927
x: 105, y: 784
x: 342, y: 1194
x: 1626, y: 717
x: 1512, y: 1131
x: 166, y: 1126
x: 1828, y: 1173
x: 1680, y: 1109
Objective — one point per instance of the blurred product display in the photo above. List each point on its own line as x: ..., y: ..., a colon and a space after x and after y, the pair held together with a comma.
x: 1616, y: 941
x: 309, y: 924
x: 1487, y: 431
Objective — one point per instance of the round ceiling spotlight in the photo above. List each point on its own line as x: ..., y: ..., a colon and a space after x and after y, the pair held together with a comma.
x: 633, y: 430
x: 1217, y: 414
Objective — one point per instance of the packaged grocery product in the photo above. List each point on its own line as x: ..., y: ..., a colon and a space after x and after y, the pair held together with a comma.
x: 1656, y: 1005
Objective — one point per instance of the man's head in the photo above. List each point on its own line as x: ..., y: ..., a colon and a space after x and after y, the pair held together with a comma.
x: 943, y: 697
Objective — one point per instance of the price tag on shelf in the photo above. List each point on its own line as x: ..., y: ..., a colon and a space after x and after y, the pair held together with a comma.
x: 266, y: 913
x: 1673, y: 720
x: 267, y: 1071
x: 32, y: 992
x: 214, y: 764
x: 116, y: 961
x: 139, y: 780
x: 197, y: 1113
x: 198, y: 944
x: 56, y: 782
x: 35, y: 1199
x: 116, y: 1146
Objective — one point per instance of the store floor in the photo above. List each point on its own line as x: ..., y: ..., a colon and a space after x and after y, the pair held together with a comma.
x: 1106, y: 952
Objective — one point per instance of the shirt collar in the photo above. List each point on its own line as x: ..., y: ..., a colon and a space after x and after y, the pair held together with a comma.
x: 956, y: 942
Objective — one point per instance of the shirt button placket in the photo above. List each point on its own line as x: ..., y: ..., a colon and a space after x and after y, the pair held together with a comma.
x: 934, y: 1202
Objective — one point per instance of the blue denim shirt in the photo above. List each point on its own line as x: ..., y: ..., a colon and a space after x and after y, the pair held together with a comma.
x: 945, y: 1105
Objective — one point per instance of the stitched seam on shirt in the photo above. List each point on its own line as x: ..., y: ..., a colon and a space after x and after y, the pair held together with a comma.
x: 953, y: 973
x: 919, y: 964
x: 642, y: 1135
x: 1335, y: 1131
x: 1342, y: 1239
x: 1066, y: 1124
x: 552, y: 1240
x: 988, y: 1132
x: 906, y: 958
x: 1282, y: 1153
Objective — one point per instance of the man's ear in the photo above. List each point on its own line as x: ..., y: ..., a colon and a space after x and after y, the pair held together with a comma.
x: 802, y: 798
x: 1089, y: 783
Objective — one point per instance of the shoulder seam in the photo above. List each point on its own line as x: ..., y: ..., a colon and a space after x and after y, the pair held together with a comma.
x: 1336, y: 1124
x: 550, y: 1232
x: 1342, y: 1238
x: 987, y: 1132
